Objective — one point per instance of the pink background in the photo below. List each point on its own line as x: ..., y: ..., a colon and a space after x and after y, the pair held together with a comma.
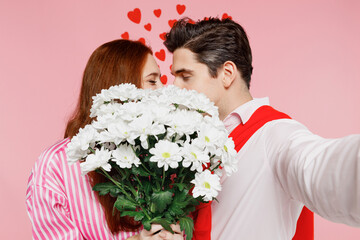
x: 306, y: 59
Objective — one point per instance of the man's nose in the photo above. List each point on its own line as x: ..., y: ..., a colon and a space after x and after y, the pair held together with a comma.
x: 177, y: 83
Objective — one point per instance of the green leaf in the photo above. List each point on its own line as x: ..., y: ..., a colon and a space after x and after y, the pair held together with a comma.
x: 123, y: 204
x: 187, y: 224
x: 147, y: 158
x: 139, y: 171
x: 147, y: 225
x: 147, y: 187
x: 175, y: 210
x: 189, y: 209
x: 155, y: 169
x: 178, y: 203
x: 161, y: 200
x: 105, y: 188
x: 168, y: 216
x: 180, y: 186
x: 138, y: 216
x: 161, y: 136
x: 114, y: 192
x: 181, y: 196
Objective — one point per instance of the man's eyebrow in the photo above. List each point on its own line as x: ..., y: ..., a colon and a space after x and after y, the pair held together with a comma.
x: 183, y: 70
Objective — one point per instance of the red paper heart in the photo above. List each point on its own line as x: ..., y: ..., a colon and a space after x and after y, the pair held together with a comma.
x: 163, y: 79
x: 172, y: 22
x: 160, y: 55
x: 225, y: 15
x: 170, y: 67
x: 142, y: 40
x: 157, y: 12
x: 162, y: 36
x: 148, y: 27
x: 135, y: 15
x: 125, y: 35
x: 180, y: 8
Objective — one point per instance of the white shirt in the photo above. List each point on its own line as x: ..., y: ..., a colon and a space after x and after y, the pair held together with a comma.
x: 282, y: 167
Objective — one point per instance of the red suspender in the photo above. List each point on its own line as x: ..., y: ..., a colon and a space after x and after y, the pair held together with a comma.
x: 242, y: 133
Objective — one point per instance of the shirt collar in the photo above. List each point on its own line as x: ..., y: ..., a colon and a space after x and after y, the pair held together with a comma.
x: 243, y: 113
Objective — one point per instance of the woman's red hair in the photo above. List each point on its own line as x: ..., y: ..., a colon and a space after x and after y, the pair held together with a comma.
x: 115, y: 62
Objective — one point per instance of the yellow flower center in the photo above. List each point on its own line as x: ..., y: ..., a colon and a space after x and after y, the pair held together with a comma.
x: 166, y: 155
x: 126, y: 133
x: 194, y: 155
x: 225, y: 147
x: 207, y: 185
x: 207, y: 139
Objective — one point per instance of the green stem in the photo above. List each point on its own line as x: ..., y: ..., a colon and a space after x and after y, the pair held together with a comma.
x: 138, y: 180
x: 216, y: 167
x: 174, y: 137
x: 146, y: 214
x: 182, y: 169
x: 147, y: 170
x: 120, y: 171
x: 116, y: 183
x: 91, y: 150
x: 182, y: 179
x: 163, y: 178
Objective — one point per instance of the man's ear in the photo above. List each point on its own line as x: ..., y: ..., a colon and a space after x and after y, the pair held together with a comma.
x: 229, y: 73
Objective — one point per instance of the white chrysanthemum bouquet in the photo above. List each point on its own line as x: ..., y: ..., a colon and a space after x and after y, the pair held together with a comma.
x: 162, y: 151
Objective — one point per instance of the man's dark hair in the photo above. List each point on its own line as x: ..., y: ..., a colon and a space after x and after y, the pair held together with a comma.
x: 214, y: 41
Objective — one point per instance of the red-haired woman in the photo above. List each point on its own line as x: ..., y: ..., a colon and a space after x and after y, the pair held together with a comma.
x: 60, y: 201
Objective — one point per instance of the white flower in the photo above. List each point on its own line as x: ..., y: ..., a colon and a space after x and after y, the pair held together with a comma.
x: 74, y: 152
x: 195, y: 155
x: 94, y: 161
x: 144, y: 126
x: 117, y: 132
x: 216, y: 123
x: 132, y: 110
x: 125, y: 157
x: 79, y: 144
x: 184, y: 122
x: 86, y: 136
x: 109, y: 109
x: 123, y: 92
x: 228, y: 157
x: 190, y: 99
x: 160, y: 112
x: 206, y: 185
x: 103, y: 121
x: 166, y: 154
x: 211, y: 137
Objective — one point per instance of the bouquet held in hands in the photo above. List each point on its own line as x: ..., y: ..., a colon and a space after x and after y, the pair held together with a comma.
x: 163, y: 151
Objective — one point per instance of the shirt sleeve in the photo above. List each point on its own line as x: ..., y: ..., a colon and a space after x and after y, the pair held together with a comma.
x: 48, y: 213
x: 323, y: 174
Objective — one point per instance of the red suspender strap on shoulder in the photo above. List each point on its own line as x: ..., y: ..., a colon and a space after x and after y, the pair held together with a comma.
x: 242, y: 133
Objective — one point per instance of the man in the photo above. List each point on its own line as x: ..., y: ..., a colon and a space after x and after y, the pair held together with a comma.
x: 282, y: 165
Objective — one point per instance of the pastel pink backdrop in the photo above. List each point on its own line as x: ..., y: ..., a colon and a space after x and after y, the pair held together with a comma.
x: 306, y: 59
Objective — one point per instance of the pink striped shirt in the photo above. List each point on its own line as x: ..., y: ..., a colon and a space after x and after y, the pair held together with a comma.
x: 60, y: 201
